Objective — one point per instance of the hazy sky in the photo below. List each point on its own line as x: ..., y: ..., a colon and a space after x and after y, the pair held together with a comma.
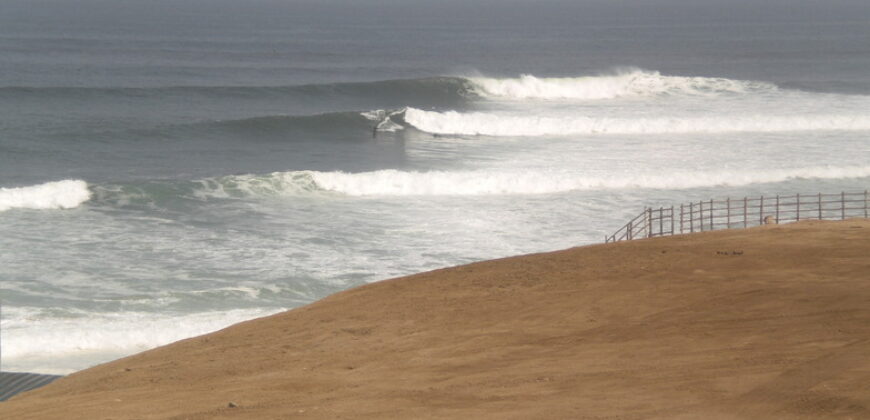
x: 494, y: 11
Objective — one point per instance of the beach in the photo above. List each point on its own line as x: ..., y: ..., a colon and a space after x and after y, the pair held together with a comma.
x: 767, y: 322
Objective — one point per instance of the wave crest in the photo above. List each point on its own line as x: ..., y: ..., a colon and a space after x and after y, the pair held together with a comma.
x: 634, y: 82
x: 64, y: 194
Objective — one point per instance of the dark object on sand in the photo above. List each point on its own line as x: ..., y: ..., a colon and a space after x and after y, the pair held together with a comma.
x: 14, y: 383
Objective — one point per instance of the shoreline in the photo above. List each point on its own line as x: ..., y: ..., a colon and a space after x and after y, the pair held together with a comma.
x: 765, y: 322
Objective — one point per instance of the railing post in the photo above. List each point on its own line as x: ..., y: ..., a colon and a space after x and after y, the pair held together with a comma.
x: 842, y: 205
x: 865, y: 204
x: 692, y: 217
x: 672, y: 220
x: 728, y: 213
x: 777, y: 209
x: 628, y: 233
x: 798, y: 207
x: 701, y: 214
x: 649, y: 233
x: 761, y: 211
x: 711, y: 215
x: 745, y: 212
x: 681, y: 216
x: 661, y: 221
x: 820, y: 206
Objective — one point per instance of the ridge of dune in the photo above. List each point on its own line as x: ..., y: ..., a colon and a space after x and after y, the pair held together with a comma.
x: 768, y: 322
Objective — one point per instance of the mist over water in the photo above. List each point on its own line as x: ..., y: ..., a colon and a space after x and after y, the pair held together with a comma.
x: 171, y: 168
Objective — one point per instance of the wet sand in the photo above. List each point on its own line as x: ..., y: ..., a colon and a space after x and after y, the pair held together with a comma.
x: 769, y: 322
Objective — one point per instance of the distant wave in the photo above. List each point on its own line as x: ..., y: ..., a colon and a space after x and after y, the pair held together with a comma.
x: 65, y: 194
x: 633, y: 82
x: 479, y: 123
x: 444, y: 89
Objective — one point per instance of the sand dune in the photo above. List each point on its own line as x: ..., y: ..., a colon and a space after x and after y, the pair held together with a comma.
x: 770, y: 322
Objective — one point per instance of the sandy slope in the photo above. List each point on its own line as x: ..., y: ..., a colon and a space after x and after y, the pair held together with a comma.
x: 771, y: 322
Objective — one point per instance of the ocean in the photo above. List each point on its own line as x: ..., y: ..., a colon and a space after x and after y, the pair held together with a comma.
x: 169, y: 168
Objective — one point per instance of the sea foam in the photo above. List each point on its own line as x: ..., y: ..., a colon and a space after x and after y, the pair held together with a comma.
x: 489, y: 124
x: 64, y: 194
x: 62, y: 345
x: 634, y: 82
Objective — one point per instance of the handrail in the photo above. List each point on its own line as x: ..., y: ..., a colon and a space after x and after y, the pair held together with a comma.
x: 728, y: 213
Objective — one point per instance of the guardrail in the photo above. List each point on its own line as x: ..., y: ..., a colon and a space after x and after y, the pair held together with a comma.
x: 700, y: 216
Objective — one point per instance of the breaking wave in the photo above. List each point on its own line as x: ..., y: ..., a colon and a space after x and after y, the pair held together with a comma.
x: 436, y: 90
x: 478, y: 123
x: 634, y: 82
x: 166, y: 193
x: 64, y: 194
x: 393, y: 182
x: 399, y: 183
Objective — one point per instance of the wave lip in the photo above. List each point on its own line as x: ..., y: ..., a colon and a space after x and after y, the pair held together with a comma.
x: 478, y: 123
x: 629, y: 83
x: 64, y: 194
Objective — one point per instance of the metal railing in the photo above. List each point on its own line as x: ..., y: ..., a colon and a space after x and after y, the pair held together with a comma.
x: 700, y: 216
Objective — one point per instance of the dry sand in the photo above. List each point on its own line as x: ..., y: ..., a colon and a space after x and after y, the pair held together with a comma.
x: 770, y: 322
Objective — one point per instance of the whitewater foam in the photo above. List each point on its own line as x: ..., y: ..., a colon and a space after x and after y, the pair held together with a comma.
x: 402, y: 183
x: 634, y: 82
x: 62, y: 345
x: 64, y: 194
x: 240, y: 186
x: 479, y: 123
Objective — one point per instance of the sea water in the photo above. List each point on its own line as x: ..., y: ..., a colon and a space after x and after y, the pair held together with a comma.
x: 169, y: 168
